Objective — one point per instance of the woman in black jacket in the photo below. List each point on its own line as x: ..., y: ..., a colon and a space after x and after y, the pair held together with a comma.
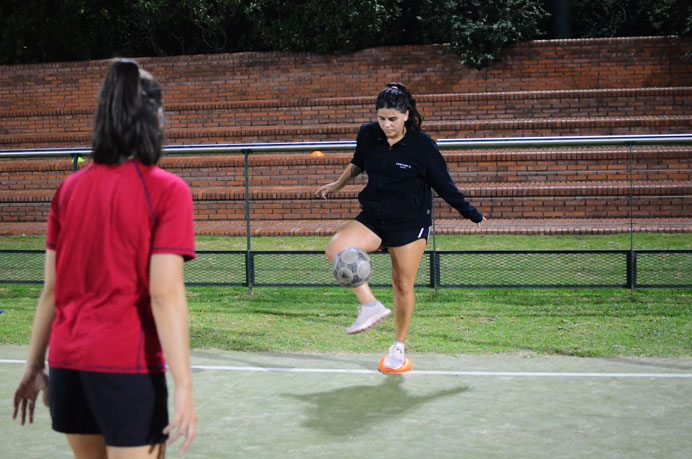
x: 403, y: 164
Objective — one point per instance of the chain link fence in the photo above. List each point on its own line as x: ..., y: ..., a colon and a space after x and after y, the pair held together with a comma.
x: 624, y: 268
x: 440, y: 269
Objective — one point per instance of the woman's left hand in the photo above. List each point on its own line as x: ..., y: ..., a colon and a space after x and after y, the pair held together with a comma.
x: 481, y: 222
x: 34, y: 381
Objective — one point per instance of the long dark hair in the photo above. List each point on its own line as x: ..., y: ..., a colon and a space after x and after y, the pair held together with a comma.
x: 128, y: 123
x: 396, y: 96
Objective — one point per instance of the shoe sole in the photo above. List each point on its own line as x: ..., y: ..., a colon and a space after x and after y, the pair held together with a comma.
x: 406, y: 367
x: 369, y: 326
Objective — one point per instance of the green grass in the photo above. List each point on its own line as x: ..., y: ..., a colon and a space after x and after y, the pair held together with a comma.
x: 596, y: 323
x: 603, y: 323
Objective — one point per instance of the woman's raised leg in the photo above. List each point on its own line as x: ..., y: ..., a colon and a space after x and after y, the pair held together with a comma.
x: 371, y: 311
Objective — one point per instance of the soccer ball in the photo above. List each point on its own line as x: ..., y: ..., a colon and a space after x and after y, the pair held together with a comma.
x: 352, y: 267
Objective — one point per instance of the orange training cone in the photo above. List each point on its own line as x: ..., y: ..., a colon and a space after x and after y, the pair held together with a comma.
x: 406, y: 367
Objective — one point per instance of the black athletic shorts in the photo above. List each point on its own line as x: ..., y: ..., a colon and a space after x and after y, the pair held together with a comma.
x: 394, y: 238
x: 127, y: 409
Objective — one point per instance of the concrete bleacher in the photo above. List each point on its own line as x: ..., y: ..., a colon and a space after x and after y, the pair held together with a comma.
x: 489, y: 114
x: 548, y: 190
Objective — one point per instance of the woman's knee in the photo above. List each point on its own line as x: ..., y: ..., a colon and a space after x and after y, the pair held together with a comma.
x: 355, y: 235
x: 403, y: 287
x: 333, y: 248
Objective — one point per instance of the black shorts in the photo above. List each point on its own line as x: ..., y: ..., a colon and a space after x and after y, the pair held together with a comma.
x: 394, y: 238
x: 127, y: 409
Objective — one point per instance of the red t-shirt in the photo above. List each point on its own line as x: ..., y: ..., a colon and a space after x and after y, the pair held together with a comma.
x: 105, y: 223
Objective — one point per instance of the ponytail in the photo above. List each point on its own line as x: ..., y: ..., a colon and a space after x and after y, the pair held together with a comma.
x: 396, y: 96
x: 127, y: 120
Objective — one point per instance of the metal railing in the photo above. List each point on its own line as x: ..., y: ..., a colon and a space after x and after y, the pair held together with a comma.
x: 628, y: 262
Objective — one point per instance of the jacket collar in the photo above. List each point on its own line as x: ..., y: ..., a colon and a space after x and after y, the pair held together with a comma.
x: 382, y: 138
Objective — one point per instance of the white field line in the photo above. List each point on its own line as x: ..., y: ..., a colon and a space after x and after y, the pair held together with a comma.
x: 524, y: 374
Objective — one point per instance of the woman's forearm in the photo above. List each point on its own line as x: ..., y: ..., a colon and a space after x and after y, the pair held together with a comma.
x: 169, y: 307
x: 44, y: 317
x: 352, y: 171
x: 40, y: 331
x: 172, y: 326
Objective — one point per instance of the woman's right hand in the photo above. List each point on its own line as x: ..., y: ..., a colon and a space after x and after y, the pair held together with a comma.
x: 327, y: 190
x: 185, y: 422
x: 34, y: 381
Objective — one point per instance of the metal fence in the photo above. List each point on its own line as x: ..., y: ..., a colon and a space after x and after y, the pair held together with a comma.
x: 441, y: 269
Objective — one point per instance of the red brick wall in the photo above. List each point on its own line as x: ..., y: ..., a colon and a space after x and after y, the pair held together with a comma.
x: 509, y: 207
x: 573, y: 183
x: 571, y: 87
x: 533, y: 66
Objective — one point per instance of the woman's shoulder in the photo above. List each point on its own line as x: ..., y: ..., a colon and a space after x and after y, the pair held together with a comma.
x: 369, y: 133
x: 368, y: 128
x: 424, y: 136
x: 163, y: 178
x: 424, y: 140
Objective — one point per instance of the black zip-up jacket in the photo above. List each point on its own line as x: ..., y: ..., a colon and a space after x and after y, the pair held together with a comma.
x: 398, y: 194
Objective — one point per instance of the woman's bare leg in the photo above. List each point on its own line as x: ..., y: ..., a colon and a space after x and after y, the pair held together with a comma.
x: 371, y: 312
x: 139, y: 452
x: 355, y: 234
x: 94, y: 447
x: 87, y: 446
x: 405, y: 262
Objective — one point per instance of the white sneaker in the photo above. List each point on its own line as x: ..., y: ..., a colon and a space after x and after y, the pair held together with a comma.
x: 395, y: 357
x: 368, y: 317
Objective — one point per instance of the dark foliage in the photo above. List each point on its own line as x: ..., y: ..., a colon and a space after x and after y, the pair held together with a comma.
x: 478, y: 30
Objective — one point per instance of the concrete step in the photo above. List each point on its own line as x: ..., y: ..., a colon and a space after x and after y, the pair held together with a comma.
x: 662, y: 199
x: 578, y: 103
x: 336, y: 131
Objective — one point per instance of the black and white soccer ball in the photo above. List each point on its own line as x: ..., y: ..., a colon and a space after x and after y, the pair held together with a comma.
x: 352, y: 267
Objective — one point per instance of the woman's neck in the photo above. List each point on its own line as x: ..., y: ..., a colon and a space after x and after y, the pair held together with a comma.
x: 393, y: 140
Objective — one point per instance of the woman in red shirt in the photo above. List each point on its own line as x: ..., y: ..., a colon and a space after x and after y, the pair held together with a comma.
x: 113, y: 303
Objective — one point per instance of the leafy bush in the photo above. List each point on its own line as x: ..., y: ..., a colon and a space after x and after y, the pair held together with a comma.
x: 477, y: 30
x: 321, y: 26
x: 611, y: 18
x: 81, y: 29
x: 96, y: 29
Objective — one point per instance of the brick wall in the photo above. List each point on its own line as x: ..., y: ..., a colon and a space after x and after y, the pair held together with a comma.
x: 569, y: 87
x: 30, y: 93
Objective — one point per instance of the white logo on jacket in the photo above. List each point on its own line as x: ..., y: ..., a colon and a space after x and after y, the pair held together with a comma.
x: 402, y: 165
